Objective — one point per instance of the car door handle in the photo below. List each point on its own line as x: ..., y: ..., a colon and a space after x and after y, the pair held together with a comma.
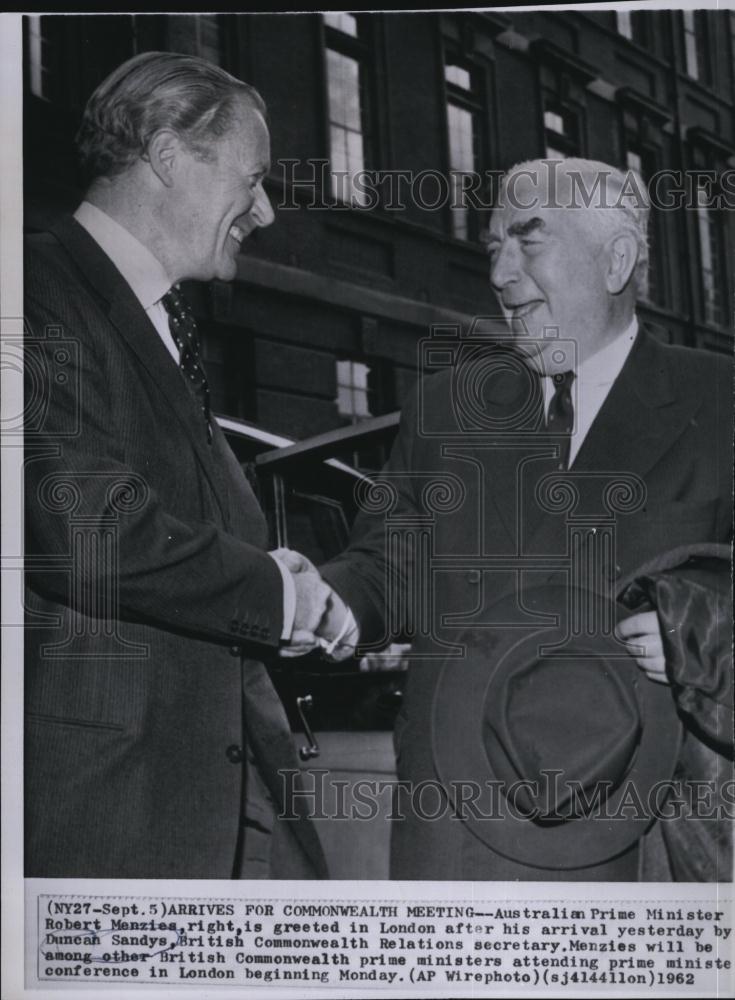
x: 312, y: 750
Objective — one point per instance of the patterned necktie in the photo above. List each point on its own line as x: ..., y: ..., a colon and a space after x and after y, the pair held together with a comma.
x: 560, y: 421
x: 183, y: 329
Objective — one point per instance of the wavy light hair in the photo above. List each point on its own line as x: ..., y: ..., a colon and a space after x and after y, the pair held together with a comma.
x: 155, y: 90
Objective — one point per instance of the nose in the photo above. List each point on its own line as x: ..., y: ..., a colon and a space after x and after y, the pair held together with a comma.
x: 262, y: 210
x: 504, y: 269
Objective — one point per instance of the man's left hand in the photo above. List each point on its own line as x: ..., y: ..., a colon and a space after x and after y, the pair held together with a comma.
x: 642, y: 634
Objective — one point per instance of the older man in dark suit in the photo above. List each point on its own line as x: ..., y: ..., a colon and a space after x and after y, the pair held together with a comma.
x: 154, y: 736
x: 567, y: 456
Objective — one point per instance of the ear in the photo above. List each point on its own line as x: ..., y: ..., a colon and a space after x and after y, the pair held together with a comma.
x: 163, y: 153
x: 622, y: 258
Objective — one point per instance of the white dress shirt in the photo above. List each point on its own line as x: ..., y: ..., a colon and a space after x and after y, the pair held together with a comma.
x: 143, y: 272
x: 149, y: 282
x: 593, y: 381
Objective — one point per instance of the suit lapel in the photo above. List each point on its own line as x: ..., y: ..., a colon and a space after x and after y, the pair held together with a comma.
x: 130, y: 320
x: 641, y: 416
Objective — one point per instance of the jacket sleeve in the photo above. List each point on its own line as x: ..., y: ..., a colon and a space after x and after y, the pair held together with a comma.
x: 151, y: 566
x: 378, y: 576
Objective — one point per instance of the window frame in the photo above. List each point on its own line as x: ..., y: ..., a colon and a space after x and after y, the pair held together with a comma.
x: 636, y: 129
x: 353, y: 416
x: 64, y: 81
x: 475, y: 102
x: 552, y: 101
x: 639, y: 27
x: 712, y: 310
x: 697, y: 32
x: 360, y: 49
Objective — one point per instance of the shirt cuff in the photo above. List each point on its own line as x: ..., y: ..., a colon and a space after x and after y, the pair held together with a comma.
x: 289, y: 599
x: 349, y: 634
x: 344, y: 643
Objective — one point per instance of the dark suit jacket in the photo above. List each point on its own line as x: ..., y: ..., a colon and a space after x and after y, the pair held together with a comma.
x: 666, y: 420
x: 150, y: 599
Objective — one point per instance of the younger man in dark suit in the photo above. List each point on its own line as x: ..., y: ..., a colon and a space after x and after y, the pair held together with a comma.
x: 154, y: 736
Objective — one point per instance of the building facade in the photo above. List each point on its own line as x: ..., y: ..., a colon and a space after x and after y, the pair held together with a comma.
x: 388, y: 131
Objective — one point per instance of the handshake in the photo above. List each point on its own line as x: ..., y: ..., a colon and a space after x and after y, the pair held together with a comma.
x: 321, y: 618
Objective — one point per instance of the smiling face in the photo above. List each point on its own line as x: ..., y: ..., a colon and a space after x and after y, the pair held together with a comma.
x: 215, y: 204
x: 549, y: 271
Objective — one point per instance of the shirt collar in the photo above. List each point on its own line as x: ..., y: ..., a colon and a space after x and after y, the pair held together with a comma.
x: 143, y: 272
x: 605, y: 366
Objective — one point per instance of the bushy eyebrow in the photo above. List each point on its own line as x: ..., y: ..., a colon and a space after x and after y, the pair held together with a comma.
x: 524, y: 228
x: 519, y: 229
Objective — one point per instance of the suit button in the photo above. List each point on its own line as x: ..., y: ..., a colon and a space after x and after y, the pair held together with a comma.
x: 235, y: 650
x: 614, y: 573
x: 234, y: 754
x: 473, y: 576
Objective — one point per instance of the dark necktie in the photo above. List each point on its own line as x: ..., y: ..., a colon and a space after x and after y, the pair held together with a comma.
x: 183, y: 329
x: 560, y: 420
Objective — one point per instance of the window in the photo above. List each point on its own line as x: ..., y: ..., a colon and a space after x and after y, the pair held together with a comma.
x: 352, y: 390
x: 361, y: 393
x: 195, y: 35
x: 624, y: 23
x: 42, y: 57
x: 696, y: 45
x: 632, y: 25
x: 644, y: 161
x: 208, y: 41
x: 561, y: 129
x: 348, y: 94
x: 464, y: 129
x: 712, y: 271
x: 634, y: 162
x: 346, y: 23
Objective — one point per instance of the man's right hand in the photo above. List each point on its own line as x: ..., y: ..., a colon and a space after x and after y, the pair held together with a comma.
x: 334, y: 610
x: 312, y: 595
x: 294, y: 561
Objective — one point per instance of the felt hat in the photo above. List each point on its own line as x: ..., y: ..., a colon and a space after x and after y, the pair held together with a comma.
x: 560, y: 738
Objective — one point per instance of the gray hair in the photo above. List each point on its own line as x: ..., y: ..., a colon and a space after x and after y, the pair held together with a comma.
x: 155, y: 90
x: 615, y: 201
